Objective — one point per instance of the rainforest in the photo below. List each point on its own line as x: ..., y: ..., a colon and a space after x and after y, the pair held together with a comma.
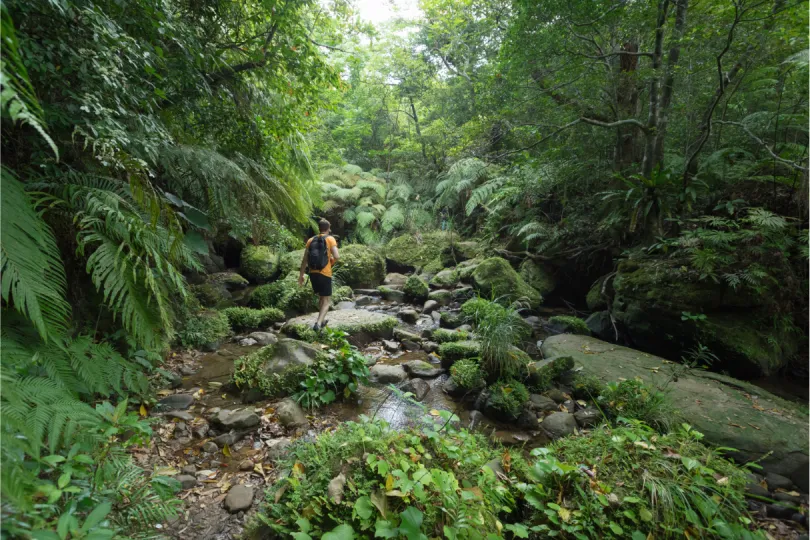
x: 568, y: 296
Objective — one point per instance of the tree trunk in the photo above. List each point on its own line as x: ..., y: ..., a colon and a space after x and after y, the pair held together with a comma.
x: 416, y: 123
x: 669, y: 79
x: 649, y: 162
x: 627, y: 101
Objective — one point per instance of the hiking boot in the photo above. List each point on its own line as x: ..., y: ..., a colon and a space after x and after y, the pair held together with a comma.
x: 315, y: 327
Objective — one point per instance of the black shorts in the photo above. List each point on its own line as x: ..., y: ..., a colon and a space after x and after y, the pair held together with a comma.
x: 322, y: 285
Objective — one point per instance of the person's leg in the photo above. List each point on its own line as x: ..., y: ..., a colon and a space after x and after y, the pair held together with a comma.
x: 323, y: 308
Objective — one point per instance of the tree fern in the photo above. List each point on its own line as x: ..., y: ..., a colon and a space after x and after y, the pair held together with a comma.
x: 483, y: 193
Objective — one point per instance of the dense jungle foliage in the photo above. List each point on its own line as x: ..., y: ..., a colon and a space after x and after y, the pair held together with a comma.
x: 628, y: 144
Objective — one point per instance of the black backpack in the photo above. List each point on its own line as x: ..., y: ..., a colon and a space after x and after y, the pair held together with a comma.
x: 318, y: 254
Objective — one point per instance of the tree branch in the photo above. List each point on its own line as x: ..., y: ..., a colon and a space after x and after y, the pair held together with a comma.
x: 617, y: 123
x: 762, y: 143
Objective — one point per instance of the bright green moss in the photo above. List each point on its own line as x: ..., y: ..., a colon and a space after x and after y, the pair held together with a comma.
x: 206, y: 328
x: 496, y: 278
x: 415, y: 288
x: 243, y: 318
x: 259, y: 263
x: 570, y: 325
x: 442, y: 335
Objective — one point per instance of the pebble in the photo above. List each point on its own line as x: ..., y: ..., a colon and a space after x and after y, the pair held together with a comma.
x: 182, y: 415
x: 189, y: 469
x: 210, y: 447
x: 187, y: 481
x: 246, y: 465
x: 187, y: 370
x: 175, y: 402
x: 247, y: 342
x: 239, y: 498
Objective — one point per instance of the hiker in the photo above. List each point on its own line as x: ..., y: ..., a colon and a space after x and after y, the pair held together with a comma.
x: 319, y: 256
x: 443, y: 215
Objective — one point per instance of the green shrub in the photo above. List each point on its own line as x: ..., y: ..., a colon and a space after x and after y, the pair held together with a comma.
x: 632, y: 399
x: 456, y: 350
x: 249, y: 373
x: 643, y: 485
x: 336, y: 374
x: 204, y: 328
x: 435, y: 478
x: 243, y: 318
x: 265, y: 296
x: 286, y: 295
x: 442, y: 335
x: 211, y: 294
x: 474, y: 309
x: 467, y: 374
x: 415, y: 288
x: 500, y: 329
x: 570, y: 325
x: 508, y: 397
x: 342, y: 293
x: 587, y: 386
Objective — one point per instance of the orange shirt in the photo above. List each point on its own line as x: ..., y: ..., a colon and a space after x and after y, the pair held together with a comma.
x: 326, y: 270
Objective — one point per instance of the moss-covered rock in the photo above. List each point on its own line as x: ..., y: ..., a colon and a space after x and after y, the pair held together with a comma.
x: 465, y: 270
x: 452, y: 351
x: 496, y: 278
x: 360, y: 267
x: 457, y: 252
x: 442, y: 335
x: 408, y: 252
x: 291, y: 261
x: 286, y: 295
x: 341, y: 294
x: 720, y: 407
x: 231, y: 280
x: 259, y: 264
x: 566, y: 324
x: 666, y: 309
x: 544, y: 372
x: 506, y: 399
x: 361, y: 325
x: 442, y: 296
x: 445, y: 279
x: 393, y: 295
x: 596, y: 300
x: 416, y: 289
x: 275, y: 370
x: 214, y: 295
x: 538, y: 276
x: 451, y: 320
x: 204, y: 330
x: 244, y: 318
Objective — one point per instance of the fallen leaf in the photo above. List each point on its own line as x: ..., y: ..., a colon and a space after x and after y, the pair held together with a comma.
x: 142, y: 410
x: 753, y: 426
x: 644, y: 445
x: 389, y: 483
x: 476, y: 491
x: 736, y: 425
x: 226, y: 451
x: 723, y: 481
x: 565, y: 514
x: 298, y: 469
x: 506, y: 461
x: 280, y: 492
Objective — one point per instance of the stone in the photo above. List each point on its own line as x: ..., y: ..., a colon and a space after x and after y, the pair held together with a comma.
x: 559, y: 424
x: 476, y: 417
x: 213, y: 295
x: 362, y: 325
x: 451, y: 388
x: 386, y: 374
x: 418, y: 387
x: 408, y: 252
x: 566, y: 324
x: 495, y: 465
x: 543, y: 372
x: 442, y: 296
x: 210, y: 447
x: 410, y: 345
x: 264, y: 338
x: 173, y: 380
x: 346, y: 304
x: 395, y: 279
x: 361, y: 266
x: 402, y: 334
x: 390, y: 346
x: 392, y: 295
x: 542, y: 403
x: 456, y: 350
x: 430, y: 306
x: 596, y: 299
x: 278, y: 448
x: 415, y: 289
x: 258, y: 263
x: 587, y: 417
x: 239, y: 498
x: 527, y: 418
x: 570, y: 405
x: 247, y: 342
x: 777, y: 481
x: 445, y: 278
x: 187, y: 481
x: 756, y: 489
x: 601, y: 326
x: 430, y: 346
x: 463, y: 293
x: 702, y: 397
x: 777, y: 511
x: 231, y: 280
x: 367, y: 292
x: 364, y: 300
x: 189, y: 469
x: 795, y: 500
x: 187, y: 370
x: 409, y: 315
x: 495, y: 278
x: 245, y: 465
x: 557, y: 395
x: 288, y: 354
x: 421, y: 369
x: 229, y: 438
x: 181, y: 415
x: 436, y: 316
x: 538, y: 275
x: 290, y: 414
x: 239, y: 419
x: 175, y: 402
x: 465, y: 328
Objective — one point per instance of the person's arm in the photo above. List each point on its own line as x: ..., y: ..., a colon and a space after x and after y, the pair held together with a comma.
x: 304, y: 260
x: 335, y: 254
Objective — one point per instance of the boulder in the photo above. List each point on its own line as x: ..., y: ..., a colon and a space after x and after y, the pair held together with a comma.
x: 247, y: 342
x: 240, y: 419
x: 543, y: 372
x: 239, y: 498
x: 597, y: 299
x: 360, y: 266
x: 538, y: 276
x: 415, y: 289
x: 542, y: 403
x: 395, y: 279
x: 422, y: 369
x: 417, y: 387
x: 451, y: 320
x: 211, y: 262
x: 365, y: 300
x: 278, y: 448
x: 566, y: 324
x: 387, y: 374
x: 409, y: 315
x: 559, y: 424
x: 495, y: 278
x: 229, y: 438
x: 464, y: 293
x: 431, y: 306
x: 705, y: 399
x: 345, y: 305
x: 361, y: 325
x: 401, y: 334
x: 430, y: 346
x: 410, y: 252
x: 285, y: 294
x: 651, y: 297
x: 175, y: 402
x: 442, y: 296
x: 410, y: 345
x: 291, y: 415
x: 601, y: 326
x: 587, y: 417
x: 259, y: 264
x: 214, y: 295
x: 291, y: 261
x: 392, y: 295
x: 777, y: 481
x: 445, y: 279
x: 230, y: 280
x: 210, y: 447
x: 289, y: 354
x: 390, y: 346
x: 264, y: 338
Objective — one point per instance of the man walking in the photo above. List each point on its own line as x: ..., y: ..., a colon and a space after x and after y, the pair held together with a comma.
x: 319, y: 256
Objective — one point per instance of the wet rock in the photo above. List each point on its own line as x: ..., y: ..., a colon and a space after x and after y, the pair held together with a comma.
x: 527, y: 418
x: 481, y: 400
x: 364, y: 300
x: 421, y: 369
x: 476, y: 417
x: 783, y: 496
x: 587, y: 417
x: 559, y: 424
x: 570, y: 405
x: 229, y: 438
x: 362, y: 325
x: 187, y: 481
x: 601, y: 326
x: 247, y: 342
x: 288, y: 354
x: 187, y: 370
x: 777, y: 481
x: 264, y: 338
x: 777, y: 511
x: 430, y: 306
x: 239, y: 498
x: 418, y: 387
x: 410, y: 345
x: 391, y: 346
x: 385, y: 374
x: 175, y: 402
x: 240, y: 419
x: 395, y: 279
x: 464, y: 328
x: 252, y: 395
x: 755, y: 489
x: 367, y: 292
x: 180, y: 426
x: 189, y: 469
x: 346, y: 304
x: 557, y: 395
x: 409, y: 315
x: 451, y: 388
x: 181, y: 415
x: 442, y: 296
x: 542, y: 403
x: 277, y: 448
x: 402, y: 334
x: 430, y: 346
x: 391, y: 294
x: 290, y: 414
x: 210, y: 447
x: 173, y: 380
x: 200, y: 432
x: 246, y: 465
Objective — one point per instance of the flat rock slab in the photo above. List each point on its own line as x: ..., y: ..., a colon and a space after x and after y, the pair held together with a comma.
x: 385, y: 374
x: 421, y: 369
x: 361, y: 324
x: 264, y: 338
x: 239, y: 498
x: 175, y: 402
x: 724, y: 409
x: 241, y: 419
